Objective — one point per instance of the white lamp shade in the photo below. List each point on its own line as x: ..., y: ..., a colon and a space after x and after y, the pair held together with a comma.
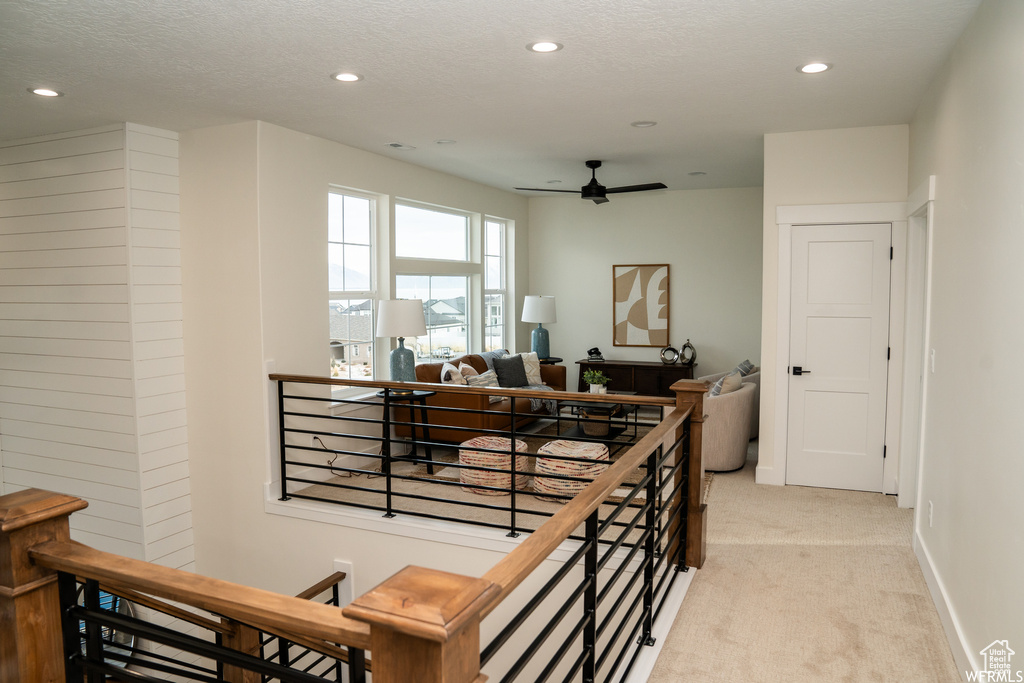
x: 539, y: 309
x: 400, y: 318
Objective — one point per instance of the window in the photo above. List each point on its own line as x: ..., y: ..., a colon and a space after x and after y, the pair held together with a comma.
x: 423, y: 233
x: 444, y: 310
x: 350, y: 228
x: 494, y: 285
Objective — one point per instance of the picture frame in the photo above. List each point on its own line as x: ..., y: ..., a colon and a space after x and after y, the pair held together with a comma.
x: 640, y: 305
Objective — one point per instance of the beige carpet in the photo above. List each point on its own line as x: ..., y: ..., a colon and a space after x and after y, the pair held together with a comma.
x: 805, y: 584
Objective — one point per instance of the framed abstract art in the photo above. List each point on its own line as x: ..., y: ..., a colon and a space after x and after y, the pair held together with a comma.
x: 640, y: 305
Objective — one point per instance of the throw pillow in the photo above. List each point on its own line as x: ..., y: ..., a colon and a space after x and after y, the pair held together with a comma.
x: 716, y: 388
x: 485, y: 379
x: 451, y: 375
x: 531, y: 363
x: 731, y: 382
x: 511, y: 372
x: 489, y: 357
x: 467, y: 370
x: 744, y: 368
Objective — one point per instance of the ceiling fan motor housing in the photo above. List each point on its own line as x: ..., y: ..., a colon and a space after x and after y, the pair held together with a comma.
x: 593, y: 190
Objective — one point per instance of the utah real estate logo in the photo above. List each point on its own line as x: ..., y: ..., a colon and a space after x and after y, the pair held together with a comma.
x: 998, y: 666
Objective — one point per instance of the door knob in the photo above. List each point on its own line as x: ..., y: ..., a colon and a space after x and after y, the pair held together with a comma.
x: 797, y: 370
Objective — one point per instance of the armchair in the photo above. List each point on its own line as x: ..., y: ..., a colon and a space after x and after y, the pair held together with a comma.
x: 755, y: 379
x: 726, y: 426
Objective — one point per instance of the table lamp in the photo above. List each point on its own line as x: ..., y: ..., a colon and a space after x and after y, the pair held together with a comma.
x: 540, y: 310
x: 401, y: 318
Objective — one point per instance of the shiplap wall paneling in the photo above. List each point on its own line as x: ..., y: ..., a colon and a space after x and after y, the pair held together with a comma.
x: 159, y: 361
x: 67, y: 413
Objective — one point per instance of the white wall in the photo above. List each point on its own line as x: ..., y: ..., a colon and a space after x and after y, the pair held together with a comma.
x: 711, y: 241
x: 969, y: 133
x: 846, y: 166
x: 92, y: 383
x: 254, y: 263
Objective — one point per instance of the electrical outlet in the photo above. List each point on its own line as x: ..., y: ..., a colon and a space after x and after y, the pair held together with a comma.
x: 931, y: 510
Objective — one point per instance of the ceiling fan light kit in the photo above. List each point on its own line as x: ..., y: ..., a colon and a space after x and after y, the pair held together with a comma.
x: 595, y: 191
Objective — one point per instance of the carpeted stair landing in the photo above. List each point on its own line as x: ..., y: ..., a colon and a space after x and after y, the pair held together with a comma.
x: 804, y: 584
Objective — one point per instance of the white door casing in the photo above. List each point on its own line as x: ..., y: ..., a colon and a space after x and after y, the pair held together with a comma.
x: 839, y: 337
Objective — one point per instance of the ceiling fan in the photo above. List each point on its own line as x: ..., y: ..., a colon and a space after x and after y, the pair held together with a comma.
x: 595, y: 191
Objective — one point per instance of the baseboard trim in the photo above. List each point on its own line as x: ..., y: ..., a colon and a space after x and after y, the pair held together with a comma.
x: 947, y: 615
x: 768, y: 475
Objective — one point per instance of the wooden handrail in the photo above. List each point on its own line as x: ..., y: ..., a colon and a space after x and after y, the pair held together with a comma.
x: 122, y: 591
x: 319, y: 587
x: 487, y: 391
x: 253, y: 606
x: 512, y: 569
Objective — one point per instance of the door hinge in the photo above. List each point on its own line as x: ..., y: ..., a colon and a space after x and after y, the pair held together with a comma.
x: 888, y: 353
x: 884, y: 447
x: 890, y: 253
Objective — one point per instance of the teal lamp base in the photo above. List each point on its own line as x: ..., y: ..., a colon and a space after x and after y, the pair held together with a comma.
x: 539, y: 342
x: 403, y: 363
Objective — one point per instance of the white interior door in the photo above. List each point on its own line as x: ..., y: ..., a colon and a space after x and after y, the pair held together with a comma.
x: 839, y: 340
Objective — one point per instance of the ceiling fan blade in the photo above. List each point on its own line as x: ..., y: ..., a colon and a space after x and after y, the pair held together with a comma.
x: 544, y: 189
x: 638, y: 188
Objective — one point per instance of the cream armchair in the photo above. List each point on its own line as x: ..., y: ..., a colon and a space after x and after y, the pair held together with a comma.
x: 755, y: 379
x: 726, y: 426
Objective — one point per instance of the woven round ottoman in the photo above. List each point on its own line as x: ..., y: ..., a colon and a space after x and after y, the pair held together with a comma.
x: 555, y: 465
x: 469, y: 456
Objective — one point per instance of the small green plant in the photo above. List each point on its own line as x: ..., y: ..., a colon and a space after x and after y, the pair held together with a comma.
x: 595, y: 377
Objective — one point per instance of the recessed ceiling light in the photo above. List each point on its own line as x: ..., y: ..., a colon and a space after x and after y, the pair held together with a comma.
x: 401, y: 146
x: 814, y: 68
x: 554, y: 182
x: 45, y: 92
x: 544, y: 46
x: 696, y: 173
x: 444, y: 141
x: 643, y: 124
x: 346, y: 77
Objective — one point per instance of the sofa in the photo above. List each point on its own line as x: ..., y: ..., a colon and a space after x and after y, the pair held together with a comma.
x: 726, y: 424
x: 499, y: 413
x: 755, y: 379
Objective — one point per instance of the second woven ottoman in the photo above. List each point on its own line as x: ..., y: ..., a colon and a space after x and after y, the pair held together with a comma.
x: 550, y: 461
x: 469, y: 455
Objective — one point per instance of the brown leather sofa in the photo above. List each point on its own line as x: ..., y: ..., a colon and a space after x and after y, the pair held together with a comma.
x: 499, y: 415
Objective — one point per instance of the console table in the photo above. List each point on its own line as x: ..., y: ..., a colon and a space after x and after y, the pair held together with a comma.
x: 647, y: 378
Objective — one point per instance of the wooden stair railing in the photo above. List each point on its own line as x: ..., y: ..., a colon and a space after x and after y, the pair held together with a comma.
x: 421, y: 625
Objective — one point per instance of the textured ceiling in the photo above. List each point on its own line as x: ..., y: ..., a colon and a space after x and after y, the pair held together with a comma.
x: 715, y: 74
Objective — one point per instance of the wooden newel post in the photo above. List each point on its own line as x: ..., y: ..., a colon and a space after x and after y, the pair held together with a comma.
x: 31, y: 645
x: 425, y: 626
x: 691, y: 393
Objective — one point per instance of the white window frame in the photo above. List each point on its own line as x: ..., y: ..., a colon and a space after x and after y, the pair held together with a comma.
x: 370, y: 294
x: 502, y: 289
x: 470, y: 218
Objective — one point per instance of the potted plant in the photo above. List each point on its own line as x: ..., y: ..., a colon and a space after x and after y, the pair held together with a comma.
x: 597, y: 381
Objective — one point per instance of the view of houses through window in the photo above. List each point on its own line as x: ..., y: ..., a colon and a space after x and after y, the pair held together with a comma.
x: 463, y: 307
x: 444, y: 310
x: 494, y: 285
x: 350, y: 227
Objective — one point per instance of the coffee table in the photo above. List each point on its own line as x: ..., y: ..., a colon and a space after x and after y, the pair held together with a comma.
x: 618, y: 415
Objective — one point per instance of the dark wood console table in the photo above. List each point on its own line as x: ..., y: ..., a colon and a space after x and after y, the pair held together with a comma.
x: 647, y: 378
